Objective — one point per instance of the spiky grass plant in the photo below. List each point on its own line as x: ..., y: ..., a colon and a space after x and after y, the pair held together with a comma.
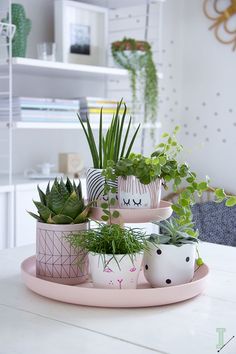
x: 61, y: 204
x: 110, y: 239
x: 113, y: 145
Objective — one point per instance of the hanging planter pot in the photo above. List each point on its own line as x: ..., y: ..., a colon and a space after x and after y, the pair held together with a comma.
x: 95, y: 182
x: 134, y: 194
x: 56, y: 259
x: 120, y: 272
x: 168, y: 265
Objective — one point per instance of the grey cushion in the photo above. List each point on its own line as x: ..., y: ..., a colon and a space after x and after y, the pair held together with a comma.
x: 216, y: 222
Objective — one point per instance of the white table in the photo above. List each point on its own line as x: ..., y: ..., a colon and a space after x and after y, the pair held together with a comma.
x: 31, y: 324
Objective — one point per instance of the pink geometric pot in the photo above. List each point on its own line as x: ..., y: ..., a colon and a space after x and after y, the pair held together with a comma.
x: 133, y: 194
x: 56, y: 259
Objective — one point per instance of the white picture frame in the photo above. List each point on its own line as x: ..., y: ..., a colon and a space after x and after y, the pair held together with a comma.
x: 80, y: 33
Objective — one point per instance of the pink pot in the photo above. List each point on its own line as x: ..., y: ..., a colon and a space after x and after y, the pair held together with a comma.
x: 133, y: 194
x: 56, y: 259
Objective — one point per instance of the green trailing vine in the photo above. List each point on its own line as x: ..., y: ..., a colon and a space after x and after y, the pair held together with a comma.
x: 136, y: 57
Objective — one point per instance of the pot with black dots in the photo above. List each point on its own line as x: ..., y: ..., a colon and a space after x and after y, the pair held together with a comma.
x: 168, y: 265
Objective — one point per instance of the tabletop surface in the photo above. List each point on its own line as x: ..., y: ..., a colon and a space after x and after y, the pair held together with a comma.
x: 31, y: 324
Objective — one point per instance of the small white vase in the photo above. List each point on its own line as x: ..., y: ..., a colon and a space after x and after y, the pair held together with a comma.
x: 168, y: 265
x: 133, y: 194
x: 107, y: 274
x: 95, y: 186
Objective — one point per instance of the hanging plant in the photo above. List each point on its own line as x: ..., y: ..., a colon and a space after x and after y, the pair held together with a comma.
x: 136, y: 57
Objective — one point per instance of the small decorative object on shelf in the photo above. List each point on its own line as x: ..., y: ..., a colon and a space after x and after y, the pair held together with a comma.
x: 71, y: 164
x: 61, y: 212
x: 23, y: 27
x: 80, y: 32
x: 115, y: 255
x: 136, y: 57
x: 171, y: 256
x: 111, y: 147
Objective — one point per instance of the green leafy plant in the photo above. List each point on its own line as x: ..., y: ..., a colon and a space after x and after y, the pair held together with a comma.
x: 136, y: 57
x: 113, y: 146
x: 61, y: 204
x: 110, y: 239
x: 173, y: 232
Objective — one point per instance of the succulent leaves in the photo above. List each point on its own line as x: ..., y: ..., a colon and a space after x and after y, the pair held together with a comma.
x: 61, y: 204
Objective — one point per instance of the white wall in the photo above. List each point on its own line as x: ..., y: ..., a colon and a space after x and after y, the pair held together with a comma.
x: 204, y: 77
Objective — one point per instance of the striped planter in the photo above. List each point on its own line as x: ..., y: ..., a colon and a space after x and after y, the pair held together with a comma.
x: 56, y: 259
x: 133, y: 194
x: 95, y: 186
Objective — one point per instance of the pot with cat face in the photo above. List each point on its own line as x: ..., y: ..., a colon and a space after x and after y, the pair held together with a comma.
x: 120, y: 272
x: 134, y: 194
x: 168, y: 265
x: 95, y: 186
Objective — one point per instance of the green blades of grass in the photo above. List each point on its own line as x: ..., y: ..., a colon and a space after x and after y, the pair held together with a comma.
x: 100, y: 141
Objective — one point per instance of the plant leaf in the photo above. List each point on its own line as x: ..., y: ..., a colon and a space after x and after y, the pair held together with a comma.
x: 62, y: 219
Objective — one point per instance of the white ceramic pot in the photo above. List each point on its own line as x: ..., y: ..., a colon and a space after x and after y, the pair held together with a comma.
x: 169, y: 265
x: 133, y: 194
x: 56, y: 259
x: 95, y: 186
x: 108, y: 275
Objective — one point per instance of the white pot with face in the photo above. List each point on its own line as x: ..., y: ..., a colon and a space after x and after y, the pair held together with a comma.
x: 107, y: 274
x: 133, y: 194
x: 168, y: 265
x: 95, y: 186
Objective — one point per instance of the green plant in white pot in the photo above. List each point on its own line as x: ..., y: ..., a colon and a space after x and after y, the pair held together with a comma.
x: 61, y: 212
x: 171, y: 256
x: 115, y: 254
x: 116, y: 143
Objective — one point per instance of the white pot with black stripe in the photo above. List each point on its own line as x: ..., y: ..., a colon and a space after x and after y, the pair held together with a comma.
x: 95, y: 186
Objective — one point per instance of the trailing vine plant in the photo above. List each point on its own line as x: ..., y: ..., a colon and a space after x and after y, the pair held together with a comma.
x: 136, y: 57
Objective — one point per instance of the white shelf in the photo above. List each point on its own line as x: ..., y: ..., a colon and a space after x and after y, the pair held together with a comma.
x: 32, y: 125
x: 51, y: 68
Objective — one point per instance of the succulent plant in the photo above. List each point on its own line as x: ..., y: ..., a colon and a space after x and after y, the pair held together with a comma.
x: 174, y: 233
x: 61, y: 204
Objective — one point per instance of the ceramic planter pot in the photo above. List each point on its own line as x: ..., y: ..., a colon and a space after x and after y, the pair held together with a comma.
x: 56, y: 259
x: 133, y: 194
x: 108, y: 275
x: 95, y: 186
x: 169, y: 265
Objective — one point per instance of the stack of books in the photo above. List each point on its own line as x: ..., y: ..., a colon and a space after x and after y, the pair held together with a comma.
x: 90, y: 107
x: 29, y: 109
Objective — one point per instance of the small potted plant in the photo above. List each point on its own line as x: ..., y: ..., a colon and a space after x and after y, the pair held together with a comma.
x: 139, y: 183
x: 61, y: 212
x: 112, y: 146
x: 170, y: 259
x: 136, y: 57
x: 115, y: 254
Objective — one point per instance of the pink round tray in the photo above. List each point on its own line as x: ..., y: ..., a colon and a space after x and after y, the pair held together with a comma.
x: 86, y: 294
x: 136, y: 215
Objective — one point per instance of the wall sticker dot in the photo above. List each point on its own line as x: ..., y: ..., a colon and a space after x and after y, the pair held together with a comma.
x: 170, y: 65
x: 195, y: 134
x: 174, y: 90
x: 218, y: 94
x: 230, y: 110
x: 234, y: 124
x: 166, y: 115
x: 216, y: 114
x: 163, y: 50
x: 172, y: 120
x: 185, y: 125
x: 198, y: 118
x: 218, y: 129
x: 207, y: 139
x: 163, y: 88
x: 186, y: 133
x: 203, y: 104
x: 171, y: 109
x: 167, y: 98
x: 205, y: 126
x: 170, y: 77
x: 176, y: 103
x: 224, y: 140
x: 172, y: 42
x: 186, y: 108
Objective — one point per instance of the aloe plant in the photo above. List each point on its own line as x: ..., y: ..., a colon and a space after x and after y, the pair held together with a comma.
x: 113, y: 146
x: 61, y: 204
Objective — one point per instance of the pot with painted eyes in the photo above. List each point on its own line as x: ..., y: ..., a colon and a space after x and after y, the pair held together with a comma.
x: 95, y: 182
x: 115, y: 272
x: 134, y: 194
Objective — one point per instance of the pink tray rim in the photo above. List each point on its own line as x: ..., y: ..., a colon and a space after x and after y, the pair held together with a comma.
x: 145, y: 297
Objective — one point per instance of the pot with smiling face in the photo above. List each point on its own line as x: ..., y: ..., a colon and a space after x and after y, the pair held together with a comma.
x: 110, y: 273
x: 168, y: 265
x: 134, y: 194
